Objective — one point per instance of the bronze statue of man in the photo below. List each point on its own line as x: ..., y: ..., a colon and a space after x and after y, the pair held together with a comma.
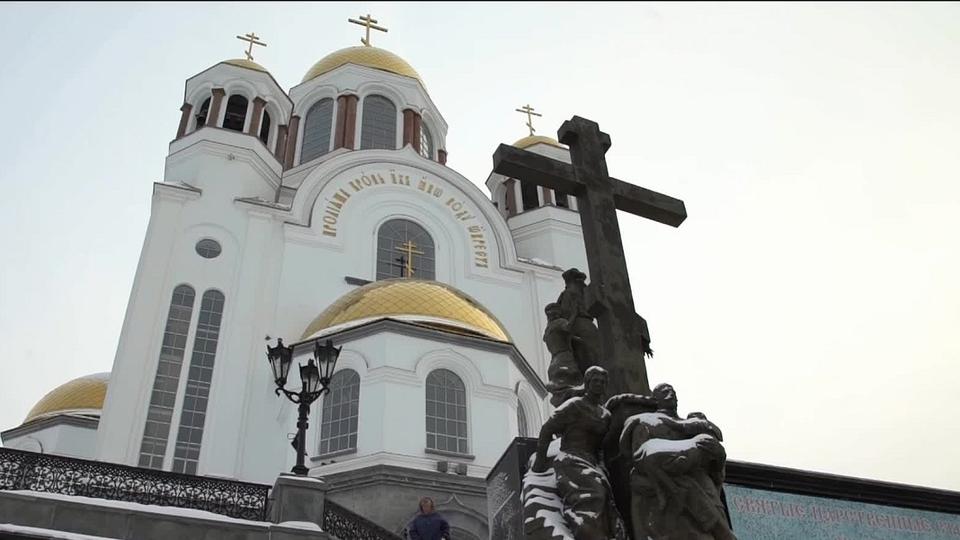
x: 573, y: 304
x: 581, y: 422
x: 677, y: 474
x: 564, y: 374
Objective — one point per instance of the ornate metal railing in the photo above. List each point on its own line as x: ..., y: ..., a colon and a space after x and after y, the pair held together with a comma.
x: 345, y: 524
x: 21, y: 470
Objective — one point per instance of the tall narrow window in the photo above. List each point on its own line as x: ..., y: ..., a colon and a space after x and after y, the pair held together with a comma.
x: 426, y: 142
x: 405, y: 249
x: 446, y: 412
x: 530, y: 193
x: 236, y: 113
x: 153, y: 448
x: 379, y: 127
x: 522, y: 426
x: 201, y: 115
x: 341, y: 408
x: 316, y: 130
x: 186, y: 454
x: 265, y: 128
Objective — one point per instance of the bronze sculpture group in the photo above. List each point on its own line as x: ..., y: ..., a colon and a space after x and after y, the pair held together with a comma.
x: 627, y: 467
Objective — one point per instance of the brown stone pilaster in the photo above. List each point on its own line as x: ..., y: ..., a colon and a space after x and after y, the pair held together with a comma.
x: 184, y: 119
x: 442, y: 157
x: 213, y: 113
x: 547, y: 196
x: 291, y: 141
x: 346, y: 132
x: 281, y: 142
x: 417, y: 126
x: 254, y: 128
x: 408, y: 126
x: 511, y: 197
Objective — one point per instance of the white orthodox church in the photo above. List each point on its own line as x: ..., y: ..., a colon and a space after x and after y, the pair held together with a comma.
x: 328, y: 211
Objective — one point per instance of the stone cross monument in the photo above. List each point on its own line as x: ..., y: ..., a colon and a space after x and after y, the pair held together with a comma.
x: 622, y: 331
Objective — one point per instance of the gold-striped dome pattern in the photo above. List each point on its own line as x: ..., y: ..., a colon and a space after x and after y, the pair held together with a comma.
x: 527, y: 142
x: 244, y: 63
x: 372, y: 57
x: 421, y: 301
x: 84, y: 394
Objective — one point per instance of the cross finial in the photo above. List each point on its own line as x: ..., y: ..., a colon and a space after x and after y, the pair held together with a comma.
x: 528, y: 110
x: 253, y: 39
x: 368, y: 22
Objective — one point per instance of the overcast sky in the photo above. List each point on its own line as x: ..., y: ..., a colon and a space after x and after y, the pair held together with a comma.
x: 810, y: 304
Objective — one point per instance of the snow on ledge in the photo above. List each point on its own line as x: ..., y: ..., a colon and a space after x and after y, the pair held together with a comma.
x: 48, y: 533
x: 151, y: 508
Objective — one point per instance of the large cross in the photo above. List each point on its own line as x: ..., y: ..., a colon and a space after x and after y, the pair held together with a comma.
x: 598, y: 198
x: 368, y: 23
x: 253, y: 39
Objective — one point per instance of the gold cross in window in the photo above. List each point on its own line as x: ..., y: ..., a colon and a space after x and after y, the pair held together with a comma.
x: 528, y: 110
x: 368, y: 23
x: 410, y: 249
x: 253, y: 39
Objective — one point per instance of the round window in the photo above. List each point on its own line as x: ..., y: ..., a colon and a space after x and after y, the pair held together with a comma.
x: 208, y: 249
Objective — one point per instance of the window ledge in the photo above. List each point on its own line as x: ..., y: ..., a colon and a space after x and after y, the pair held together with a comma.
x: 468, y: 457
x: 333, y: 454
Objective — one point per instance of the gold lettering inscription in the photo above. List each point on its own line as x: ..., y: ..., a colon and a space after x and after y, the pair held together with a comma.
x: 459, y: 209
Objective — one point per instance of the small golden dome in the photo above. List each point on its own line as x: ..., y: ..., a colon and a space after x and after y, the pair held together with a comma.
x: 82, y: 395
x: 425, y: 302
x: 244, y: 63
x: 373, y: 57
x: 527, y: 142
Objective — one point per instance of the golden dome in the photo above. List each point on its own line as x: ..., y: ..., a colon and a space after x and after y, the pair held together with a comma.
x: 425, y: 302
x: 527, y: 142
x: 82, y: 395
x: 244, y: 63
x: 373, y: 57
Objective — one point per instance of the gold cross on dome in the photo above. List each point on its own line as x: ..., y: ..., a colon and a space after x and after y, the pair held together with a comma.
x: 368, y: 23
x: 410, y: 249
x: 253, y: 39
x: 528, y: 110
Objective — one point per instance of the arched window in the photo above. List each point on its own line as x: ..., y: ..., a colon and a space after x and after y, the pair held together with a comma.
x: 379, y: 127
x: 153, y: 447
x: 186, y: 454
x: 236, y: 113
x: 341, y: 409
x: 523, y: 428
x: 426, y: 142
x: 265, y: 128
x: 201, y: 115
x: 446, y: 412
x: 316, y: 130
x: 530, y: 193
x: 405, y: 249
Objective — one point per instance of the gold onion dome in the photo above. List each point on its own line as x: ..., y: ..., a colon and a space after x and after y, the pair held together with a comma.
x: 372, y: 57
x: 83, y: 395
x: 244, y: 63
x: 527, y: 142
x: 420, y: 301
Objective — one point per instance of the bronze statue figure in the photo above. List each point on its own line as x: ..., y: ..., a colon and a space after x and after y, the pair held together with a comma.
x: 581, y: 422
x: 585, y: 335
x: 564, y: 374
x: 677, y: 474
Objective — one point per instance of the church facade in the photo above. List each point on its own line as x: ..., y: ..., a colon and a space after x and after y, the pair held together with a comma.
x: 327, y: 211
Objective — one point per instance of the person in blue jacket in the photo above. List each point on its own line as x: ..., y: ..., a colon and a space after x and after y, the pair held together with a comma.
x: 428, y: 525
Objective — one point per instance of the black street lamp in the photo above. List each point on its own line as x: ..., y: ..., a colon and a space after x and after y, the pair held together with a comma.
x: 315, y: 379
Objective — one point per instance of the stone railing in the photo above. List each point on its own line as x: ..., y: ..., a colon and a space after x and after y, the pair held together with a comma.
x: 343, y: 523
x: 31, y: 471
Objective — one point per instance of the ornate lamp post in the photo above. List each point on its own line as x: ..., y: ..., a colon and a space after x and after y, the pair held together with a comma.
x: 315, y: 379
